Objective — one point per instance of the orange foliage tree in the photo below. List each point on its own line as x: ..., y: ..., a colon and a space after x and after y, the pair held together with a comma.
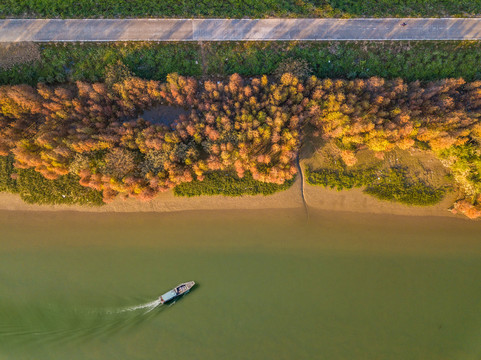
x: 241, y: 125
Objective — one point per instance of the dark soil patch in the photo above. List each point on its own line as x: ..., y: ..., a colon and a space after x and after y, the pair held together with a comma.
x: 12, y: 54
x: 163, y: 114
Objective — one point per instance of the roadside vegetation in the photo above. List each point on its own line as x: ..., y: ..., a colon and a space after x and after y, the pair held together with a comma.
x: 409, y: 60
x: 61, y: 63
x: 237, y: 8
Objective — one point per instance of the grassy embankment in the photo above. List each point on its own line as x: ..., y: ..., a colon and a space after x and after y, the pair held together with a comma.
x: 408, y: 60
x: 237, y: 8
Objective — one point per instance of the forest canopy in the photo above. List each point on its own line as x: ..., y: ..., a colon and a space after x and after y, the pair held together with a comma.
x: 247, y: 126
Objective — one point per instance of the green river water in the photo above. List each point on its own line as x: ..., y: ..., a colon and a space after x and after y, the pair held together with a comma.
x: 271, y: 285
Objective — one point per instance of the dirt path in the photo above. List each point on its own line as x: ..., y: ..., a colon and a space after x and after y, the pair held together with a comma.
x: 203, y: 61
x: 15, y: 30
x: 303, y: 196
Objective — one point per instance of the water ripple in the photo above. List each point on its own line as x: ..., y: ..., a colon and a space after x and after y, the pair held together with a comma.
x: 26, y: 325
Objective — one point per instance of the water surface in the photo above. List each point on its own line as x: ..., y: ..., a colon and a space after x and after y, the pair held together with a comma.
x: 271, y: 286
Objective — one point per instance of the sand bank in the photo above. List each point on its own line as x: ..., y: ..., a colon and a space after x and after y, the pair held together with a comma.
x: 356, y: 201
x: 167, y: 202
x: 316, y: 198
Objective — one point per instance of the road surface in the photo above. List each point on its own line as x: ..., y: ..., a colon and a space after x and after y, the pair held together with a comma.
x: 42, y: 30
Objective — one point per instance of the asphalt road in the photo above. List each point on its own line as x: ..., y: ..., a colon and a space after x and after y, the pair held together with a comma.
x: 15, y: 30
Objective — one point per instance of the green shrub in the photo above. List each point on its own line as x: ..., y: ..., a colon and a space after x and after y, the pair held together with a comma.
x: 6, y: 169
x: 91, y: 62
x: 465, y: 164
x: 396, y: 186
x: 393, y: 184
x: 157, y: 8
x: 411, y: 8
x: 228, y: 184
x: 340, y: 178
x: 410, y: 60
x: 33, y: 188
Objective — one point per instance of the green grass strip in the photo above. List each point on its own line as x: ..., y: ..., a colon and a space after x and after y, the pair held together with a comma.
x: 410, y: 60
x: 237, y: 8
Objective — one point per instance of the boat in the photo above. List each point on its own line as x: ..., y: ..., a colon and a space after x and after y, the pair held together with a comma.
x: 176, y: 292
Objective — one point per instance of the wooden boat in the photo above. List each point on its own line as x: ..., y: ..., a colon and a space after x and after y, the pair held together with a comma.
x: 179, y: 290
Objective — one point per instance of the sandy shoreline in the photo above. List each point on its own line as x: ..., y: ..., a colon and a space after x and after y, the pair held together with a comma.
x: 316, y: 198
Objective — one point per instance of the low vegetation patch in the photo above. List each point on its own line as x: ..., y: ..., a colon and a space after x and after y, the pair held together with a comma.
x: 340, y: 178
x: 397, y: 186
x: 229, y: 184
x: 411, y: 8
x: 392, y: 185
x: 237, y: 8
x: 66, y: 62
x: 33, y: 188
x: 410, y: 60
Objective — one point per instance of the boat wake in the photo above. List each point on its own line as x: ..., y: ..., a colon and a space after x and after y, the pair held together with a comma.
x: 149, y: 306
x: 36, y: 324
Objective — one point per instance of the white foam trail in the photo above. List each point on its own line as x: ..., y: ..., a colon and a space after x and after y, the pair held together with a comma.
x: 149, y: 306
